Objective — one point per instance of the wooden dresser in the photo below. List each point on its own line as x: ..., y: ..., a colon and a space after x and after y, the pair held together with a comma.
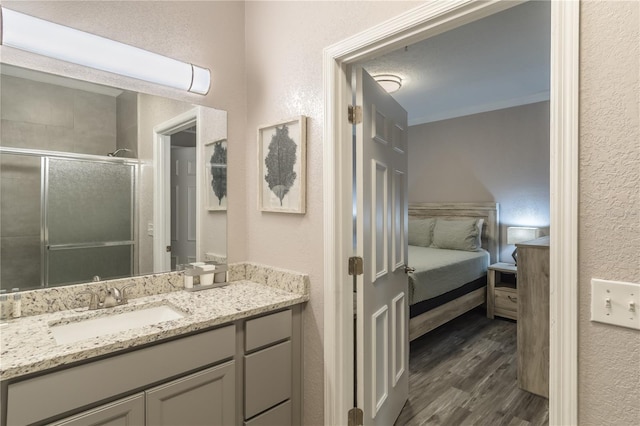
x: 533, y: 316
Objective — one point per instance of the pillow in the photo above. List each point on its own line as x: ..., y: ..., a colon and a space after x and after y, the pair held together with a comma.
x: 420, y: 231
x: 462, y: 234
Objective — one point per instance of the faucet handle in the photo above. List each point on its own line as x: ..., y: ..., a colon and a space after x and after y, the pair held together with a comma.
x: 94, y: 302
x: 123, y: 293
x: 115, y: 292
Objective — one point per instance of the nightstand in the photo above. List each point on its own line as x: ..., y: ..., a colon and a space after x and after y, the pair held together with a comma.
x: 502, y: 298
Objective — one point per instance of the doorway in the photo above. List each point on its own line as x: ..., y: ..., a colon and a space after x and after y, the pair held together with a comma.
x: 176, y: 201
x: 183, y: 197
x: 417, y: 24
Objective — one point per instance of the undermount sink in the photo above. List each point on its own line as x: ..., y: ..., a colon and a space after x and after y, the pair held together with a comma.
x: 108, y: 324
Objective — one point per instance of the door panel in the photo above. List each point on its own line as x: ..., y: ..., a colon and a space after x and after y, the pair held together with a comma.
x: 183, y: 205
x: 381, y: 225
x: 399, y: 208
x: 379, y: 209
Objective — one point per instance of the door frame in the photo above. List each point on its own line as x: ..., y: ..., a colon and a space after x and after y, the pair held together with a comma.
x: 414, y: 25
x: 162, y: 184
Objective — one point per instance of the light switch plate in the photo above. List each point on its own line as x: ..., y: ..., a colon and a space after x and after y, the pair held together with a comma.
x: 615, y: 302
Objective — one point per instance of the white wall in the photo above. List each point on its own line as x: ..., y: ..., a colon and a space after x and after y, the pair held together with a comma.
x: 500, y: 156
x: 608, y: 356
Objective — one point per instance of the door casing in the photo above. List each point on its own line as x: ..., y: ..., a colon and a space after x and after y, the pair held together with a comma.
x: 414, y: 25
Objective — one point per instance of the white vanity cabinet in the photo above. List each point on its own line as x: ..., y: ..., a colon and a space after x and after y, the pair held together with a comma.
x: 248, y: 372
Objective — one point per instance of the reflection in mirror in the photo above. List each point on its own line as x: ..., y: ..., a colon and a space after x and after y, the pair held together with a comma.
x: 94, y: 179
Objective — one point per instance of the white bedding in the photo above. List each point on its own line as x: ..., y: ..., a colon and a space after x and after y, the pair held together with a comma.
x: 439, y: 271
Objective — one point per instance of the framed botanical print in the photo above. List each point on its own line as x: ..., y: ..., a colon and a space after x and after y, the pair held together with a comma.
x: 282, y: 166
x: 215, y: 154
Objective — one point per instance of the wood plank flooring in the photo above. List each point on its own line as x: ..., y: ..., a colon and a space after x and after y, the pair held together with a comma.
x: 464, y: 373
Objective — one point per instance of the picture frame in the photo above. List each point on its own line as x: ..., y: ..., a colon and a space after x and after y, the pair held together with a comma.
x: 282, y: 166
x: 215, y: 155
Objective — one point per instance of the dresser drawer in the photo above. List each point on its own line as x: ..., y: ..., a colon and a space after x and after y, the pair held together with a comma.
x: 506, y: 302
x: 266, y: 330
x: 267, y: 378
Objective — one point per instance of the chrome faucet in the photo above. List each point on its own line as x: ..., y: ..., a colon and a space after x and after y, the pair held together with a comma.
x: 113, y: 298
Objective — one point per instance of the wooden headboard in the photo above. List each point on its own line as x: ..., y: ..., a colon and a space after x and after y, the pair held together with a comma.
x: 488, y: 211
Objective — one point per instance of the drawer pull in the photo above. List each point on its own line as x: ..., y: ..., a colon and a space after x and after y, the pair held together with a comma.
x: 513, y: 299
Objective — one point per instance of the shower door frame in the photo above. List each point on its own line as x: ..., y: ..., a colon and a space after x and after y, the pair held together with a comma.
x: 45, y: 156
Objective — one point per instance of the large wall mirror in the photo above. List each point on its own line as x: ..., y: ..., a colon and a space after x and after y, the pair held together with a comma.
x: 101, y: 182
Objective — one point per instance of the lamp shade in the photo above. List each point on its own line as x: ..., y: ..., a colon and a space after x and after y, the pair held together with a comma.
x: 519, y: 234
x: 45, y: 38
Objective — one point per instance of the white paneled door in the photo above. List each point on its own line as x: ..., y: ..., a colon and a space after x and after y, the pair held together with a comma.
x: 183, y: 205
x: 382, y: 341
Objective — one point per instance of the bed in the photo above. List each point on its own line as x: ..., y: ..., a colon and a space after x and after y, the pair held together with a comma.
x: 449, y: 259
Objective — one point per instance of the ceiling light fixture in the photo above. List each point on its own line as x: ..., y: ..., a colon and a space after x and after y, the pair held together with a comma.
x: 389, y: 82
x: 36, y: 35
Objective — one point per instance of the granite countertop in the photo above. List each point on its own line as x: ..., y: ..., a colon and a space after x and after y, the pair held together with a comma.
x: 27, y: 345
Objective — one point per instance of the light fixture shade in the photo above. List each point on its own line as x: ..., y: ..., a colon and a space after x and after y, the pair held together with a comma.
x: 389, y: 82
x: 36, y: 35
x: 519, y: 234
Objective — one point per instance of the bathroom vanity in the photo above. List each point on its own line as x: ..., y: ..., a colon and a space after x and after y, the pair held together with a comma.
x: 234, y: 358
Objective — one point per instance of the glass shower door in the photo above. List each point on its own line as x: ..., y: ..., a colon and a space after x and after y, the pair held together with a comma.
x: 89, y: 226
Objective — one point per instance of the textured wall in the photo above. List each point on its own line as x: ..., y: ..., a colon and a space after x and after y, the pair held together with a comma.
x: 500, y: 156
x: 206, y: 33
x: 284, y: 42
x: 609, y: 357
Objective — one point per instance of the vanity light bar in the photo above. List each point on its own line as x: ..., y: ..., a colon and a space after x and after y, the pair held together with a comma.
x: 36, y: 35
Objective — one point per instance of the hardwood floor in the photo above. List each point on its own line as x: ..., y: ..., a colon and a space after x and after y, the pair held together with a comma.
x: 464, y: 373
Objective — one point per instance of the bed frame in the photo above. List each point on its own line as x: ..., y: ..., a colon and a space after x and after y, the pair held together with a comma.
x: 434, y: 318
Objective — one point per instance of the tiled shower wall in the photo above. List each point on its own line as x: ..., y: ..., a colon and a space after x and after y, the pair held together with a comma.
x: 44, y: 116
x: 127, y: 124
x: 48, y: 117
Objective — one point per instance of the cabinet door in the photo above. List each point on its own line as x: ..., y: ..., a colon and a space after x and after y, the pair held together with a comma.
x: 204, y: 398
x: 125, y: 412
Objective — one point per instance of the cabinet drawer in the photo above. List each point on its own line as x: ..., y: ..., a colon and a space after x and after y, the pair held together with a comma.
x: 506, y: 302
x: 86, y: 384
x: 267, y: 378
x: 268, y: 329
x: 280, y: 416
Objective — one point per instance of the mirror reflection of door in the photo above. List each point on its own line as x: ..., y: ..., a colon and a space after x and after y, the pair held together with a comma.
x: 183, y: 197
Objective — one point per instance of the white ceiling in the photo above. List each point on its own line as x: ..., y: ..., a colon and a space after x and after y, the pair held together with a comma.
x: 497, y: 62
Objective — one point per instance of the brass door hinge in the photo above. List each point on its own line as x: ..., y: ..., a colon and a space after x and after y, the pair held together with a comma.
x: 356, y: 417
x: 355, y: 114
x: 356, y: 266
